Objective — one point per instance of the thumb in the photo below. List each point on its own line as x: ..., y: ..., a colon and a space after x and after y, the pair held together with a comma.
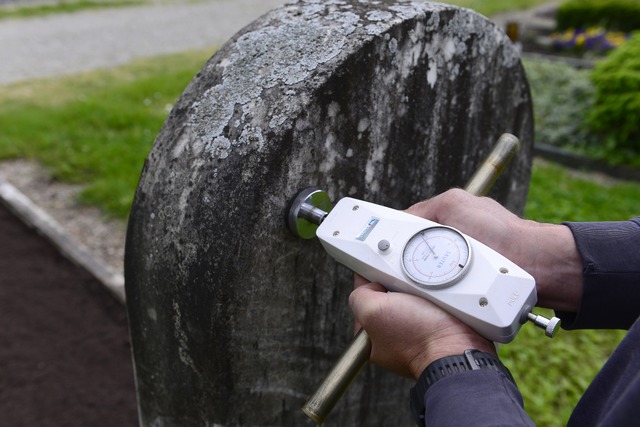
x: 366, y: 302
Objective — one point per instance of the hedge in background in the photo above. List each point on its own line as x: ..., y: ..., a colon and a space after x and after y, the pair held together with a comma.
x: 615, y: 114
x: 617, y: 15
x: 562, y: 97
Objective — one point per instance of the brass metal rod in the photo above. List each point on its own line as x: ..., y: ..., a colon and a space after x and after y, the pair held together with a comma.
x: 495, y: 163
x: 339, y: 379
x: 347, y: 368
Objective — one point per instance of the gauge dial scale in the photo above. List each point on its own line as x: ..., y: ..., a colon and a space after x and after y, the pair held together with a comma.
x: 436, y: 257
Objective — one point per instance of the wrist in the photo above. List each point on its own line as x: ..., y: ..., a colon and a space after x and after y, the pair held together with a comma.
x: 468, y: 360
x: 449, y: 346
x: 556, y: 265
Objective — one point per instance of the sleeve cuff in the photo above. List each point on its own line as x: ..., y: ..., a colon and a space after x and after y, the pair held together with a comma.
x: 610, y: 253
x: 480, y: 397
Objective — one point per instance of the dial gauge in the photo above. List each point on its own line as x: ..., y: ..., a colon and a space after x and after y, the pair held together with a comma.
x: 436, y: 256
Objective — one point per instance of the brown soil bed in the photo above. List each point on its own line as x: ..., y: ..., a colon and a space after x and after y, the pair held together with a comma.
x: 65, y: 357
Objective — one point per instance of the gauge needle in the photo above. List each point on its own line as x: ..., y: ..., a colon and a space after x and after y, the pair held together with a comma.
x: 430, y: 248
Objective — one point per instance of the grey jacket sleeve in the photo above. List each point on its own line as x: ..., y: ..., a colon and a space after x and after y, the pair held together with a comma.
x: 479, y: 398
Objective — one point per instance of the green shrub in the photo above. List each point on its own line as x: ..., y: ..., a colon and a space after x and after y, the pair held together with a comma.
x: 619, y: 15
x: 615, y: 114
x: 562, y: 96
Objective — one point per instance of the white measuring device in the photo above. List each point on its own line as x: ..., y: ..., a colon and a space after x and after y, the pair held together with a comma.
x: 406, y: 253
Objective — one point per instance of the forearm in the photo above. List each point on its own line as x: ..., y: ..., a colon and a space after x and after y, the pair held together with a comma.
x: 550, y: 255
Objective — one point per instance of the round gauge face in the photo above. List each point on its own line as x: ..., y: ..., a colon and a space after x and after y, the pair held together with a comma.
x: 437, y: 256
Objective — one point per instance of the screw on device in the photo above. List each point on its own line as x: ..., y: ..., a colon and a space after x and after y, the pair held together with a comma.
x: 550, y: 326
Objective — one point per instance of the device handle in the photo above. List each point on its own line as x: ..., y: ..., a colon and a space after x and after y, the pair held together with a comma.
x: 347, y: 368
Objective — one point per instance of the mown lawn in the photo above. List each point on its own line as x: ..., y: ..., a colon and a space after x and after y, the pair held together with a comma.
x: 491, y: 7
x: 95, y: 128
x: 12, y: 11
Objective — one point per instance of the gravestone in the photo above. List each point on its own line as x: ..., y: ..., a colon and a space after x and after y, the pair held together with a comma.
x: 234, y: 321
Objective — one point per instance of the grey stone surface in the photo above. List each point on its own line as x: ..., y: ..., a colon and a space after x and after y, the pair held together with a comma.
x: 234, y: 321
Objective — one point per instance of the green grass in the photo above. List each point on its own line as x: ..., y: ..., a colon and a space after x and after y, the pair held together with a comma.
x: 95, y: 128
x: 557, y: 195
x: 492, y: 7
x: 62, y: 6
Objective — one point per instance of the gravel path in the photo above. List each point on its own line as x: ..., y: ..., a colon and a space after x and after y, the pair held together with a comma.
x: 69, y: 43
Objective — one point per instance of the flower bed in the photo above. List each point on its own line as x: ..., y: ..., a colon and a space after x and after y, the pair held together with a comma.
x: 592, y: 39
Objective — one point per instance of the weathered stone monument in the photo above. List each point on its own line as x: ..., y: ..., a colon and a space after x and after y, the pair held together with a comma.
x: 234, y: 321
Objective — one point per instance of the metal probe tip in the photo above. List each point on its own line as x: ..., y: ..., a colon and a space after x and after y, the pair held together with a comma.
x: 307, y: 211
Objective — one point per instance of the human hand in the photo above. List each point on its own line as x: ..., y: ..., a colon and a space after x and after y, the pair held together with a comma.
x: 546, y: 251
x: 407, y: 332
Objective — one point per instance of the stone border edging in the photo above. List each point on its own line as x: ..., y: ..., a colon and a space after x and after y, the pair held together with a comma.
x: 36, y: 218
x: 577, y: 161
